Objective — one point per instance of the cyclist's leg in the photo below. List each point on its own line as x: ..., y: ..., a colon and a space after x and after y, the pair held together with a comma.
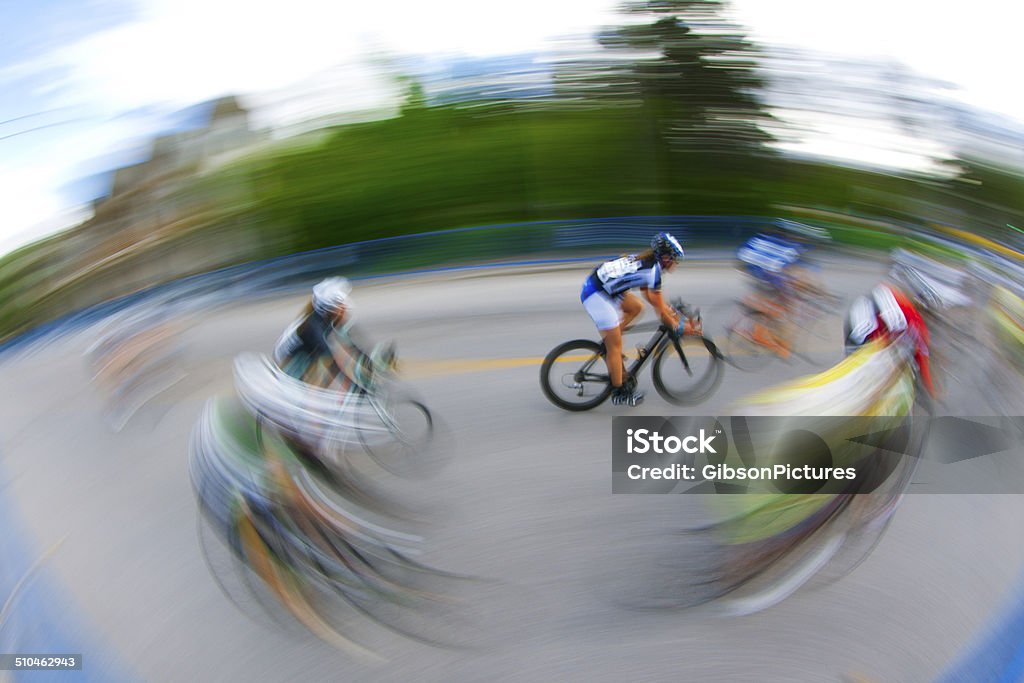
x: 623, y: 388
x: 631, y: 308
x: 607, y: 315
x: 773, y: 338
x: 771, y: 335
x: 785, y: 316
x: 613, y: 355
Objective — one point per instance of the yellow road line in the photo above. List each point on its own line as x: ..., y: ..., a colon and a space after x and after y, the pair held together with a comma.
x: 981, y: 241
x: 420, y: 368
x: 430, y: 368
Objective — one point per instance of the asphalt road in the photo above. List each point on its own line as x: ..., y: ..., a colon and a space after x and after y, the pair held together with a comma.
x: 525, y: 500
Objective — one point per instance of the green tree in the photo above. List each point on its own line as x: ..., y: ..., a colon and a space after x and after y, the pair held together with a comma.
x: 415, y: 97
x: 698, y: 78
x: 989, y: 197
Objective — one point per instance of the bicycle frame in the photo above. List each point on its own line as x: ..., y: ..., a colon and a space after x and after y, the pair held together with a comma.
x: 655, y: 345
x: 646, y: 352
x: 660, y: 340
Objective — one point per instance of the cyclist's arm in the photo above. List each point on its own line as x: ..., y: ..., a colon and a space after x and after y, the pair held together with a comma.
x: 346, y: 346
x: 657, y: 302
x: 343, y: 353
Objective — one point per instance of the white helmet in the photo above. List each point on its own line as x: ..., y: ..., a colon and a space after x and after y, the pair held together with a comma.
x: 331, y: 293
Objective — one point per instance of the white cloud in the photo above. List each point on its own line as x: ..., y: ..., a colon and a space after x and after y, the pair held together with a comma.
x: 31, y: 206
x: 875, y: 143
x: 179, y: 52
x: 974, y: 45
x: 185, y: 51
x: 33, y: 182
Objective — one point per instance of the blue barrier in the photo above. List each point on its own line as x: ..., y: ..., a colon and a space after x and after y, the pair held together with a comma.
x: 998, y: 656
x: 486, y: 246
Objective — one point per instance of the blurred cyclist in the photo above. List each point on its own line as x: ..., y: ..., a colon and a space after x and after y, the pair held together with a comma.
x: 319, y: 347
x: 607, y: 299
x: 766, y: 257
x: 891, y: 314
x: 776, y: 261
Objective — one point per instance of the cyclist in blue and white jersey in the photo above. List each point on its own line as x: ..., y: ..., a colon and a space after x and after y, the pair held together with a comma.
x: 777, y: 262
x: 607, y: 298
x: 780, y: 259
x: 767, y: 258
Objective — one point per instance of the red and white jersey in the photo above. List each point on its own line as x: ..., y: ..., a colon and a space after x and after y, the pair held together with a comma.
x: 885, y: 314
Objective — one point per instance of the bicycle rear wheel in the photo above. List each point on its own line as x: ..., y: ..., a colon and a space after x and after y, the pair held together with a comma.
x: 427, y: 605
x: 237, y: 580
x: 574, y: 375
x: 681, y: 386
x: 787, y: 578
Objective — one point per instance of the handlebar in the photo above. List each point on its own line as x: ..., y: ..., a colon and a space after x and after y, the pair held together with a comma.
x: 689, y: 315
x: 685, y: 310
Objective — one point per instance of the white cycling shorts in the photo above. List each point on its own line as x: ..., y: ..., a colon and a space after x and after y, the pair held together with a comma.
x: 605, y: 312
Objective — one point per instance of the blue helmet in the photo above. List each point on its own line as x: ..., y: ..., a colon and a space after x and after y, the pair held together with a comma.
x: 665, y: 244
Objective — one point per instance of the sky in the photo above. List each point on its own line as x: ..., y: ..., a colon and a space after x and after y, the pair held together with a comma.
x: 84, y: 83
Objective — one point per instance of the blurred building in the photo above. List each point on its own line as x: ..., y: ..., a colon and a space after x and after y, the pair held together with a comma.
x: 154, y: 225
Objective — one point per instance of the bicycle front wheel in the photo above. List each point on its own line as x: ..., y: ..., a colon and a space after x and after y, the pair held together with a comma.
x: 396, y: 432
x: 690, y: 382
x: 742, y: 348
x: 574, y: 375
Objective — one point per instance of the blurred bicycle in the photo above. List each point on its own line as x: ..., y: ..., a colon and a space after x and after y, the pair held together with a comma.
x: 277, y: 534
x: 278, y: 484
x: 765, y: 328
x: 765, y: 545
x: 380, y: 418
x: 788, y: 302
x: 1001, y: 375
x: 136, y: 356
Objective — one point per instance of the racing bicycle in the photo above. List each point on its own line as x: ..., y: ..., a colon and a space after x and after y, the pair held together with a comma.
x: 374, y: 415
x: 277, y: 535
x: 762, y: 327
x: 574, y: 376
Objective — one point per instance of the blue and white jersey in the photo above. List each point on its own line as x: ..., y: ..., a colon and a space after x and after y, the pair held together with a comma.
x: 617, y: 277
x: 769, y: 254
